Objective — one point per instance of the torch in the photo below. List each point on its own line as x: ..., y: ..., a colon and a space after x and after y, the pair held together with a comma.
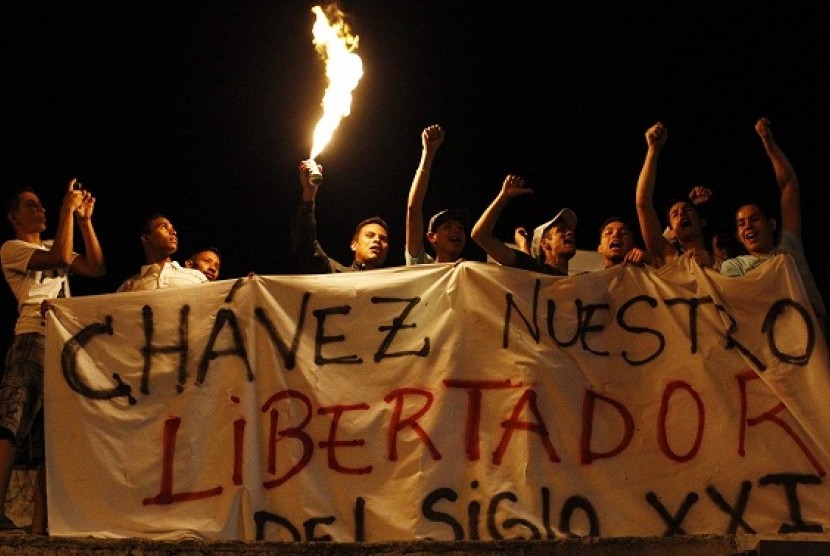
x: 336, y: 45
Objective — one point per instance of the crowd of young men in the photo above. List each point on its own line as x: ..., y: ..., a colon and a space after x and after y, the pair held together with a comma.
x: 37, y: 269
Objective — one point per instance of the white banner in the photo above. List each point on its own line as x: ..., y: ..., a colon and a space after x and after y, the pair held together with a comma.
x: 443, y: 402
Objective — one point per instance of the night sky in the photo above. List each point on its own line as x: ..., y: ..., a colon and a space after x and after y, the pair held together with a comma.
x: 202, y: 110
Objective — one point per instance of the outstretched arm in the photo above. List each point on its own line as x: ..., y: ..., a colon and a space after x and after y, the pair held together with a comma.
x: 431, y: 139
x: 650, y: 229
x: 786, y: 178
x: 482, y: 233
x: 308, y: 254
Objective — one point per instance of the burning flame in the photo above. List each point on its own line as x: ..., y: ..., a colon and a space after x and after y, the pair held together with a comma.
x: 336, y: 45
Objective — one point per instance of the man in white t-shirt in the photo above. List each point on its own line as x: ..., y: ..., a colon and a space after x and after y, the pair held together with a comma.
x: 756, y: 230
x: 159, y: 240
x: 36, y: 271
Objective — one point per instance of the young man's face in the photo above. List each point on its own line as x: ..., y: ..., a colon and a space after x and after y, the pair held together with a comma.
x: 615, y: 241
x: 684, y: 221
x: 371, y: 245
x: 162, y: 240
x: 561, y: 241
x: 206, y: 261
x: 450, y: 238
x: 30, y: 216
x: 755, y: 231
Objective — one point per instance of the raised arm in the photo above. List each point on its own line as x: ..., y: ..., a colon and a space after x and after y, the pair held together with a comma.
x: 91, y: 262
x: 309, y: 189
x: 304, y: 225
x: 786, y: 178
x: 650, y: 228
x: 431, y: 139
x: 308, y: 253
x: 482, y: 233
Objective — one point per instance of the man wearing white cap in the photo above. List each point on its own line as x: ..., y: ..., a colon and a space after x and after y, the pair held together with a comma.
x: 553, y: 244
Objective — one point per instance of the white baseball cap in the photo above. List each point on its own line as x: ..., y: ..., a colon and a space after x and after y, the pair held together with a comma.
x: 565, y: 216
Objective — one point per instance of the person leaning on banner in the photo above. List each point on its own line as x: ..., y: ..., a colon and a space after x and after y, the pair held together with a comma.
x: 553, y: 244
x: 207, y: 260
x: 370, y: 240
x: 684, y: 221
x: 756, y: 230
x: 618, y: 245
x: 159, y: 240
x: 699, y: 195
x: 447, y: 233
x: 36, y: 270
x: 447, y: 230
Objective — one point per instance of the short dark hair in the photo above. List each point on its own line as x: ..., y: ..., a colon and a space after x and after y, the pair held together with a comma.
x: 673, y: 201
x: 371, y: 220
x: 766, y: 208
x: 145, y: 222
x: 12, y: 201
x: 621, y: 219
x: 211, y: 248
x: 439, y: 218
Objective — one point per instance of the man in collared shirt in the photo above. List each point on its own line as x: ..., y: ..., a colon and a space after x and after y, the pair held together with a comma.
x: 159, y: 241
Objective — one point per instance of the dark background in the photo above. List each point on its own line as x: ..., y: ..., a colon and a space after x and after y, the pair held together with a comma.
x: 202, y: 110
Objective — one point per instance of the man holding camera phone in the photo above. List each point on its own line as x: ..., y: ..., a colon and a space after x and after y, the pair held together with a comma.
x: 37, y: 271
